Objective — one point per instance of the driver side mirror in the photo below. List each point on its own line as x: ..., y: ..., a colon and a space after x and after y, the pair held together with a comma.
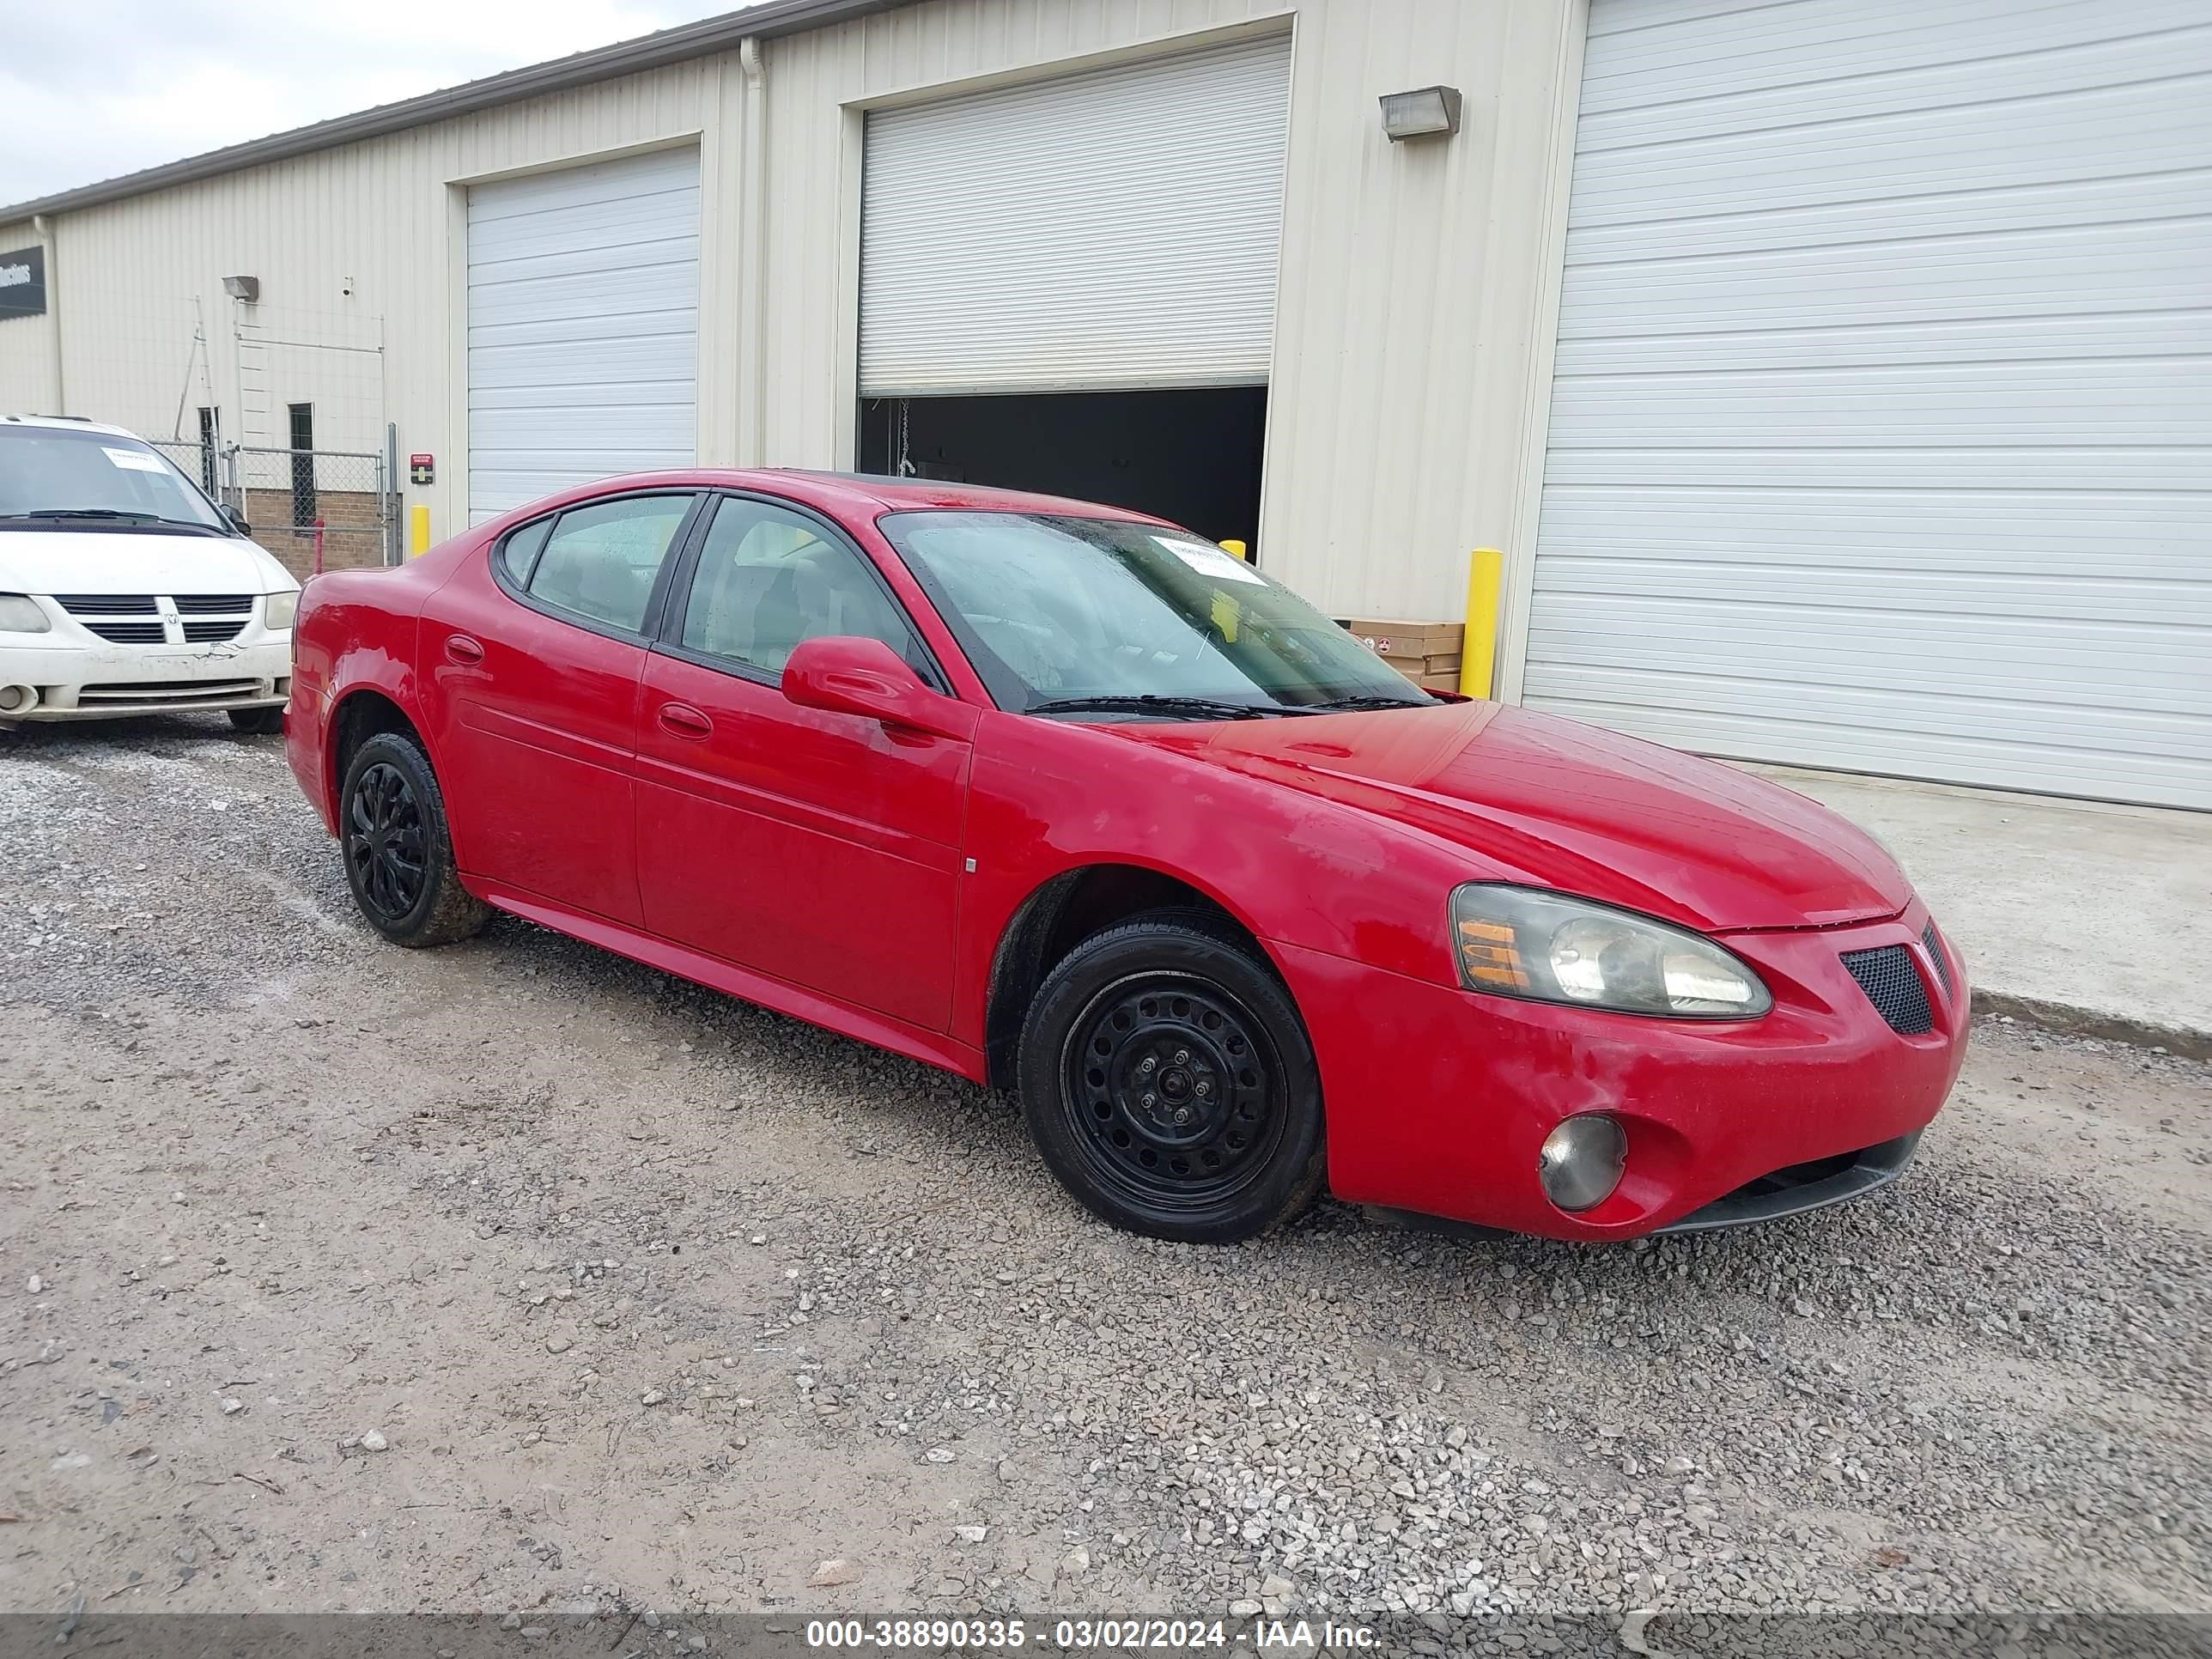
x: 846, y: 675
x: 237, y: 519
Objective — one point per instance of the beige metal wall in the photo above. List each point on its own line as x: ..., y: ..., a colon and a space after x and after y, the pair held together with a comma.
x: 1410, y: 336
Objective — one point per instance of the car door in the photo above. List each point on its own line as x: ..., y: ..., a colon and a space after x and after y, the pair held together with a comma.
x: 537, y: 652
x: 821, y: 848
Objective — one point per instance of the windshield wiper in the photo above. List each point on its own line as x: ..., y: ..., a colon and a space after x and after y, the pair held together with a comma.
x: 1367, y: 701
x: 107, y: 513
x: 1208, y: 709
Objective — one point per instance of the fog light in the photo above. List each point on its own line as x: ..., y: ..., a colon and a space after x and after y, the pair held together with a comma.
x: 1583, y: 1160
x: 17, y: 699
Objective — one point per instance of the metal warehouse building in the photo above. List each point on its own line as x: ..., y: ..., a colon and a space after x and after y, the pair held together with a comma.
x: 1833, y: 374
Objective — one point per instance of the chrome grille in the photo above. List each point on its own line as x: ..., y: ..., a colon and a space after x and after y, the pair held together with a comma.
x: 213, y: 604
x: 128, y: 633
x: 1893, y: 984
x: 209, y: 633
x: 1933, y: 941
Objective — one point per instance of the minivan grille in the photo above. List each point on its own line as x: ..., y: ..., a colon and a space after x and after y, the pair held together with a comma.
x: 1933, y: 941
x: 106, y: 605
x: 204, y: 618
x: 1893, y: 984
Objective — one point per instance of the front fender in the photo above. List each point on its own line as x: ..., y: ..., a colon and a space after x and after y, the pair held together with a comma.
x: 1047, y: 799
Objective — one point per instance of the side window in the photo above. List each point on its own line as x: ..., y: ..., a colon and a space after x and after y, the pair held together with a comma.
x: 519, y: 551
x: 768, y: 579
x: 599, y: 561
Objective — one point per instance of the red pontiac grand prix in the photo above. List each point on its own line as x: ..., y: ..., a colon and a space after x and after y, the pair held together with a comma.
x: 1071, y: 802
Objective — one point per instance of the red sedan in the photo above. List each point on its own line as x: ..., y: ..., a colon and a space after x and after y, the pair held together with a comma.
x: 1071, y: 802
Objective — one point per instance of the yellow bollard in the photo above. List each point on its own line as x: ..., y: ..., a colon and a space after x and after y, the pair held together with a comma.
x: 1237, y: 550
x: 1478, y: 657
x: 418, y: 531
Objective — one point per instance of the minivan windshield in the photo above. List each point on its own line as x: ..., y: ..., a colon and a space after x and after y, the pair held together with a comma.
x: 1071, y: 615
x: 51, y: 478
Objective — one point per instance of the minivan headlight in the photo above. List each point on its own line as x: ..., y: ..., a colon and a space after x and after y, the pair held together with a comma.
x: 1529, y: 942
x: 278, y: 610
x: 20, y: 614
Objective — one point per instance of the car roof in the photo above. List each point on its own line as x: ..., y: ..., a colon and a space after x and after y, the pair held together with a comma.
x: 866, y: 493
x: 66, y: 423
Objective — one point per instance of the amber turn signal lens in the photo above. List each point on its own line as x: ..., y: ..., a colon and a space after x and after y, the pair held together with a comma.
x: 1486, y: 954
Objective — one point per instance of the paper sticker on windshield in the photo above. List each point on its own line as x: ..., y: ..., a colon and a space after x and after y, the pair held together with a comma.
x: 134, y: 460
x: 1209, y: 561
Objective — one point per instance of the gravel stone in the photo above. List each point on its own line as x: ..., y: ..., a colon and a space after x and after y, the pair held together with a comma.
x: 1983, y: 1388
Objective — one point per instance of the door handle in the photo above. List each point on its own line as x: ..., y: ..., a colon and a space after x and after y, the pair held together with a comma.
x: 685, y: 721
x: 463, y: 649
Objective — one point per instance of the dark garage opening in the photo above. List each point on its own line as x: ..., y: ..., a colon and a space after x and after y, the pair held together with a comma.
x: 1191, y: 455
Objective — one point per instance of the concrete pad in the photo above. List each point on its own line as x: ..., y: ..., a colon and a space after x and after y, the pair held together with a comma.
x: 2092, y: 917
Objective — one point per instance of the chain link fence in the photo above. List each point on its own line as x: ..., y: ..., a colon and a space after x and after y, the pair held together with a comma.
x: 316, y: 509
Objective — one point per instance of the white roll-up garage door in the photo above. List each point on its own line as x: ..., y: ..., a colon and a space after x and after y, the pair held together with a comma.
x: 583, y: 326
x: 1881, y: 438
x: 1112, y: 229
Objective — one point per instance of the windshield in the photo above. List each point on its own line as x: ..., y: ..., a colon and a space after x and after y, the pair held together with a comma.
x: 91, y: 478
x: 1054, y: 608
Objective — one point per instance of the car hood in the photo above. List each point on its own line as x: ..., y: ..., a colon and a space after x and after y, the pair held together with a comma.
x: 135, y: 562
x: 1559, y: 804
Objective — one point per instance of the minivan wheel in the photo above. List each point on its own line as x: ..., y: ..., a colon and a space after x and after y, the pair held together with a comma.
x: 1168, y: 1082
x: 262, y: 722
x: 399, y: 855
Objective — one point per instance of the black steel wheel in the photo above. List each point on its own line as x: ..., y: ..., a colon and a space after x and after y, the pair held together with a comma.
x: 386, y: 842
x: 399, y: 857
x: 1168, y: 1081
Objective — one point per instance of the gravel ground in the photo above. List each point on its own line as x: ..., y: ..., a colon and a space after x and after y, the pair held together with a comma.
x: 515, y: 1276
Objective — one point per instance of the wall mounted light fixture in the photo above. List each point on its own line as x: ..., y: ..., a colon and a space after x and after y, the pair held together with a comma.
x: 242, y: 287
x: 1424, y: 113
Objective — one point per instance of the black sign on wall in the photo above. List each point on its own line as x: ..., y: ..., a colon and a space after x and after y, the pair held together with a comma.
x: 23, y: 282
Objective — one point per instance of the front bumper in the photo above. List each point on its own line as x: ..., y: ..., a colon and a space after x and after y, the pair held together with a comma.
x: 99, y: 681
x: 1439, y: 1098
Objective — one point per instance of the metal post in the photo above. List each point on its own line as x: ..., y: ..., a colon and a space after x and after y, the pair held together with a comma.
x: 388, y: 505
x: 1478, y: 660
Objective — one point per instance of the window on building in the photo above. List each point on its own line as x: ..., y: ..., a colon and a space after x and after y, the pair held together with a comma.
x: 207, y: 449
x: 303, y: 464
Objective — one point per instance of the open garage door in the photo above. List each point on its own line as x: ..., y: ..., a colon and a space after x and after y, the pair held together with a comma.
x: 1069, y: 286
x: 1879, y: 439
x: 583, y: 346
x: 1115, y: 230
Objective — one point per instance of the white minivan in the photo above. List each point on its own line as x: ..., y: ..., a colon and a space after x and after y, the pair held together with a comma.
x: 124, y: 590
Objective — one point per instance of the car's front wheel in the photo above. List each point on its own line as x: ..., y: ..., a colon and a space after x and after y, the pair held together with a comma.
x: 1167, y: 1080
x: 262, y: 722
x: 399, y: 854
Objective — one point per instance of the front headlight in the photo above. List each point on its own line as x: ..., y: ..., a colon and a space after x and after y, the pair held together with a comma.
x: 18, y: 614
x: 278, y: 610
x: 1529, y: 942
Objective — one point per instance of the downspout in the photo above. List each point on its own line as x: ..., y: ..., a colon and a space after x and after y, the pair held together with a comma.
x: 752, y: 268
x: 42, y: 224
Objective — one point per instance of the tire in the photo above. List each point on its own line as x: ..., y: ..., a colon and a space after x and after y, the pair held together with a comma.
x: 261, y: 722
x: 398, y: 854
x: 1231, y: 1142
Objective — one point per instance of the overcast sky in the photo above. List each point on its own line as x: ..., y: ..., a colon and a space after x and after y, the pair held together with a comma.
x: 93, y: 90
